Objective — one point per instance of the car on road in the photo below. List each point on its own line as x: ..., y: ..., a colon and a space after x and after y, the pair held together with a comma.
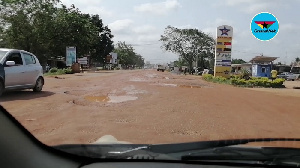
x: 161, y: 68
x: 288, y: 76
x: 20, y: 70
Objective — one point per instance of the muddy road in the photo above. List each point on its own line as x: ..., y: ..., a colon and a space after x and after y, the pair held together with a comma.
x: 146, y: 106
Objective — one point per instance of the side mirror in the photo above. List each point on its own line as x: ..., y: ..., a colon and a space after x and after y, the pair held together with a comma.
x: 10, y: 63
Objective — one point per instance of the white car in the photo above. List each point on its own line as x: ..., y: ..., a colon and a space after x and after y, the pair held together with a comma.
x: 288, y: 76
x: 20, y: 70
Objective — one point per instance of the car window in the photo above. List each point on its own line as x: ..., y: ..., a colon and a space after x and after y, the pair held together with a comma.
x: 2, y: 54
x: 29, y: 59
x: 15, y: 57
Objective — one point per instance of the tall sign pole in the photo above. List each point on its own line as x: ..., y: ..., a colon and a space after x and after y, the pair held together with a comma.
x: 223, y: 51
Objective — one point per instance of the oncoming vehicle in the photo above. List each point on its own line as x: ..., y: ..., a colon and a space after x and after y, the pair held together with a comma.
x: 20, y: 70
x: 161, y: 68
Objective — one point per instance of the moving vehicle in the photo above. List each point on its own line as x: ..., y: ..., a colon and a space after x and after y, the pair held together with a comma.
x: 161, y: 68
x: 288, y: 76
x: 20, y: 70
x: 19, y: 148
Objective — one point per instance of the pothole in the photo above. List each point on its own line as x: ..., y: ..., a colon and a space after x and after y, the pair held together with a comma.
x: 97, y: 98
x: 189, y: 86
x: 120, y: 99
x: 75, y: 92
x: 110, y: 99
x: 137, y: 80
x: 167, y: 84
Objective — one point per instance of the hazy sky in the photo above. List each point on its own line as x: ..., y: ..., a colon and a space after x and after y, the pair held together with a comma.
x: 141, y: 22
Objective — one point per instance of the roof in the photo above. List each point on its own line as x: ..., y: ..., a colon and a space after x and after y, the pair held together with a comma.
x: 262, y: 59
x: 238, y: 65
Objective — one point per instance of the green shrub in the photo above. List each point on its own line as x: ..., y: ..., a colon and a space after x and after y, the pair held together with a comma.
x: 220, y: 79
x: 56, y: 71
x: 207, y: 77
x: 235, y: 76
x: 252, y: 82
x: 53, y: 70
x: 68, y: 71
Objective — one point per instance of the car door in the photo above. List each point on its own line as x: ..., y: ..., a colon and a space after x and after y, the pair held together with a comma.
x: 14, y: 75
x: 31, y: 68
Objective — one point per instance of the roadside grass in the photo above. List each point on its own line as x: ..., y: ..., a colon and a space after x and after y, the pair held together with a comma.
x: 56, y: 71
x: 252, y: 82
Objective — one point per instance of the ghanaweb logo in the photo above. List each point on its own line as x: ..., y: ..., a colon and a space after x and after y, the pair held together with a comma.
x: 264, y: 26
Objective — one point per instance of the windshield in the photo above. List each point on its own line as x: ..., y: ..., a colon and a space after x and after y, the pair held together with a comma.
x: 153, y: 72
x: 2, y: 54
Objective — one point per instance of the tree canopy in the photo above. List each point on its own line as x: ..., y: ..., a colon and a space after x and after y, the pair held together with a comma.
x: 188, y: 44
x: 47, y: 27
x: 127, y: 56
x: 238, y: 61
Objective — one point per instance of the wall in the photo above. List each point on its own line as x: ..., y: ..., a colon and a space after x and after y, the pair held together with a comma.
x: 257, y: 71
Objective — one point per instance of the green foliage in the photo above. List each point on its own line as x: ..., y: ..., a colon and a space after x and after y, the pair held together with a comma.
x: 237, y: 61
x: 46, y: 28
x: 207, y: 77
x: 56, y: 71
x: 189, y: 44
x: 252, y: 82
x: 127, y: 55
x: 53, y: 70
x: 68, y: 71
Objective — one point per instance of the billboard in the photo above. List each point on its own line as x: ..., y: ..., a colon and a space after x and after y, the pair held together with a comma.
x: 114, y: 58
x: 70, y: 56
x: 223, y: 51
x: 83, y: 61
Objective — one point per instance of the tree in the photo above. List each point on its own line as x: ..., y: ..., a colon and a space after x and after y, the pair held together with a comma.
x: 180, y: 62
x: 103, y: 44
x: 46, y: 28
x: 237, y: 61
x: 19, y: 23
x: 127, y: 55
x: 297, y: 59
x: 189, y: 44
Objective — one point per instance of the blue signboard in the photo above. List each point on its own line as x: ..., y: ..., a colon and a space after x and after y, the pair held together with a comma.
x: 70, y: 56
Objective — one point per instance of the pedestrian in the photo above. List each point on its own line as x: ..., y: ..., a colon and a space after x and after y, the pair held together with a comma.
x: 274, y: 74
x: 185, y: 70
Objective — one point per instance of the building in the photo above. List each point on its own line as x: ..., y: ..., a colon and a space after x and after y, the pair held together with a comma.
x: 236, y: 68
x: 262, y: 66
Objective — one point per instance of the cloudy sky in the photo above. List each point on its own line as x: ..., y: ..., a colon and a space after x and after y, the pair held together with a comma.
x: 141, y: 22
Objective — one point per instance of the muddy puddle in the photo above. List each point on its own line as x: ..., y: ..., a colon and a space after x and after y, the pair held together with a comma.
x: 120, y: 99
x: 110, y: 99
x: 97, y: 98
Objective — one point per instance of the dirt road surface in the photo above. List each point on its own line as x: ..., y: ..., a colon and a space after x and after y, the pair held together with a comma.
x: 146, y: 106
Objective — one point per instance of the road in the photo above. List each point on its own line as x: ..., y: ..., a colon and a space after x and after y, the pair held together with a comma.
x: 146, y: 106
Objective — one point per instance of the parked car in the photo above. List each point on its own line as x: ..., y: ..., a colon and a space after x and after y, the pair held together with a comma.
x: 20, y: 70
x: 288, y: 76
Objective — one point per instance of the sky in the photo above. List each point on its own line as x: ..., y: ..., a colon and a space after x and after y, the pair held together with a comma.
x: 142, y: 22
